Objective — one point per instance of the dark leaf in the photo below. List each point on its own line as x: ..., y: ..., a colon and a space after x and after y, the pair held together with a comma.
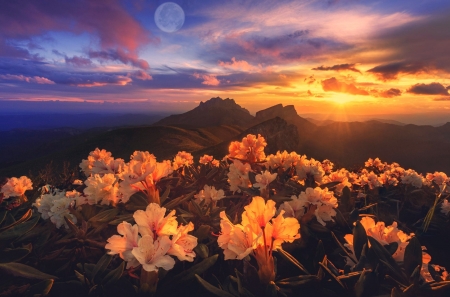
x: 105, y: 216
x: 22, y: 270
x: 359, y: 239
x: 41, y: 289
x: 18, y: 230
x: 114, y: 275
x: 413, y: 255
x: 13, y: 255
x: 212, y: 289
x: 294, y: 261
x: 101, y: 266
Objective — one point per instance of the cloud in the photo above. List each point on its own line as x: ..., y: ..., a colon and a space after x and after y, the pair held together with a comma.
x: 108, y: 20
x: 310, y: 80
x: 121, y: 56
x: 142, y: 75
x: 391, y: 71
x: 240, y: 65
x: 28, y: 79
x: 209, y: 80
x: 339, y: 67
x: 78, y: 61
x: 392, y: 92
x: 429, y: 89
x: 333, y: 85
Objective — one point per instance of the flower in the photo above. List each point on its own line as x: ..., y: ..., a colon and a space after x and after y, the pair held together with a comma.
x: 251, y: 149
x: 258, y: 211
x: 152, y: 254
x: 77, y: 182
x: 59, y: 210
x: 282, y: 230
x: 97, y: 155
x: 153, y: 222
x: 311, y: 168
x: 413, y: 178
x: 341, y: 176
x: 182, y: 159
x: 103, y: 189
x: 209, y: 193
x: 370, y: 179
x: 264, y: 179
x: 45, y: 203
x: 183, y: 243
x: 16, y: 187
x: 238, y: 175
x: 445, y: 207
x: 206, y: 159
x: 123, y: 245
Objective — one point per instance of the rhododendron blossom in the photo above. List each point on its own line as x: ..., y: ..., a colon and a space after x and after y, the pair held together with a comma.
x: 310, y: 168
x: 55, y: 206
x: 123, y: 245
x: 153, y: 239
x: 207, y: 159
x: 413, y: 178
x: 103, y: 156
x: 445, y: 207
x: 238, y: 175
x: 182, y: 159
x: 209, y: 193
x: 370, y: 179
x: 284, y: 160
x: 264, y: 179
x: 250, y: 149
x: 342, y: 176
x: 16, y: 187
x: 384, y: 235
x: 103, y: 189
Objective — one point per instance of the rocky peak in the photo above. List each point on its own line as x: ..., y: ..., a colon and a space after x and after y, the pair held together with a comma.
x: 278, y: 110
x: 219, y: 103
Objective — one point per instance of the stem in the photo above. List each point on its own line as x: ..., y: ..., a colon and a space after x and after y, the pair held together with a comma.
x: 149, y: 282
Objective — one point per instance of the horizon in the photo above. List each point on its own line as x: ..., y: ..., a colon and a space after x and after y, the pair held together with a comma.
x: 334, y: 59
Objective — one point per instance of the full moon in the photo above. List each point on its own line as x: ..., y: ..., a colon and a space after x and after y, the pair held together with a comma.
x: 169, y: 17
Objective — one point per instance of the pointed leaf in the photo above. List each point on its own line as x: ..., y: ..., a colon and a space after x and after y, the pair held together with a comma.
x: 42, y: 288
x: 22, y: 270
x: 320, y: 254
x: 104, y: 216
x: 212, y: 289
x: 18, y: 230
x: 13, y: 255
x: 294, y: 261
x: 359, y: 239
x: 24, y: 218
x: 114, y: 275
x: 101, y: 266
x: 413, y: 255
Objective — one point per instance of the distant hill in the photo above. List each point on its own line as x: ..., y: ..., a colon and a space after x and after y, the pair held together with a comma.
x: 327, y: 122
x: 163, y: 142
x: 214, y: 112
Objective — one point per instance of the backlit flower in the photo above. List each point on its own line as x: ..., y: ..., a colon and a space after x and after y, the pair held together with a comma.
x: 250, y: 149
x: 182, y: 159
x: 103, y: 189
x: 152, y: 254
x: 209, y: 193
x: 238, y: 175
x: 183, y: 243
x: 282, y: 230
x: 123, y: 245
x: 96, y: 155
x: 153, y: 221
x: 264, y: 179
x: 258, y: 211
x: 16, y: 187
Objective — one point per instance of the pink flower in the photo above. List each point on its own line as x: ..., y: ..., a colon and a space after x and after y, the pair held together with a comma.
x: 123, y: 245
x: 152, y: 254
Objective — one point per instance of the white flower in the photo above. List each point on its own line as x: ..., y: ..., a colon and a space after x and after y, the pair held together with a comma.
x: 59, y: 210
x: 413, y: 178
x: 16, y: 187
x: 153, y: 221
x: 183, y: 243
x: 310, y: 168
x: 45, y: 203
x: 152, y: 254
x: 209, y: 193
x: 445, y: 207
x: 238, y: 175
x: 103, y: 189
x: 123, y: 245
x: 264, y: 179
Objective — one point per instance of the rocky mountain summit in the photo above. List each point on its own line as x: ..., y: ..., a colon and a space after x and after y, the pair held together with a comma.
x: 214, y: 112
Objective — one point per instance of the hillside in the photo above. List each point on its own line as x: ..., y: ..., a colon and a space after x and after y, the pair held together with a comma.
x: 163, y: 142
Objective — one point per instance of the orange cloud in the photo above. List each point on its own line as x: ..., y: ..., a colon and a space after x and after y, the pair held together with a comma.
x: 333, y: 85
x: 209, y: 80
x: 240, y: 65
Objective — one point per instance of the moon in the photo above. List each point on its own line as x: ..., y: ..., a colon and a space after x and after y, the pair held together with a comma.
x: 169, y: 17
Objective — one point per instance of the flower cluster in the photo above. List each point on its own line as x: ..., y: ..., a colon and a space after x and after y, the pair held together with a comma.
x: 207, y: 159
x: 101, y: 162
x: 209, y: 194
x: 54, y: 205
x: 384, y: 235
x: 153, y: 240
x: 238, y: 175
x: 320, y: 202
x: 250, y: 149
x: 16, y: 187
x: 182, y: 159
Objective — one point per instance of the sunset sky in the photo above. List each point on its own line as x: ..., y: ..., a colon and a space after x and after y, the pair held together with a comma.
x: 342, y: 58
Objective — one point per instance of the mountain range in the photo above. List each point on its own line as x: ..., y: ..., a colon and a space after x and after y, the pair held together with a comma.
x: 211, y: 126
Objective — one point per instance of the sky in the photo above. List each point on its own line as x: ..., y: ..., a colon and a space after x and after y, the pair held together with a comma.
x: 335, y: 59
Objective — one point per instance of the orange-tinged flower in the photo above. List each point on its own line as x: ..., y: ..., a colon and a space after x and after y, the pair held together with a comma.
x: 183, y: 243
x: 264, y: 179
x: 182, y: 159
x: 258, y: 211
x: 16, y: 187
x: 123, y: 245
x: 153, y: 221
x: 152, y: 254
x: 282, y: 230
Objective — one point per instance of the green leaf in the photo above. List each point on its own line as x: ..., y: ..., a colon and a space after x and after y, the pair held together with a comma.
x: 367, y: 284
x: 2, y: 216
x: 13, y: 255
x: 392, y: 247
x: 199, y: 268
x: 24, y: 218
x: 202, y: 250
x: 114, y: 275
x: 413, y: 255
x: 359, y: 239
x: 350, y: 255
x: 320, y: 253
x: 202, y: 232
x: 101, y: 266
x: 175, y: 202
x: 294, y: 261
x: 18, y: 230
x: 385, y: 257
x: 119, y: 219
x: 41, y: 288
x: 297, y: 281
x: 212, y: 289
x: 104, y: 216
x: 137, y: 201
x: 22, y: 270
